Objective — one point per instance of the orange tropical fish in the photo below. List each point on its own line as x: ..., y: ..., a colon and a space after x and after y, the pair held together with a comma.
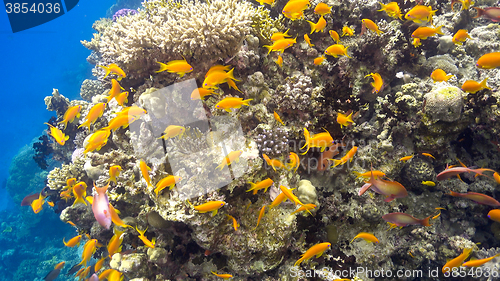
x: 471, y: 86
x: 261, y: 214
x: 489, y: 61
x: 377, y: 82
x: 279, y: 35
x: 114, y: 68
x: 269, y: 2
x: 322, y: 9
x: 115, y: 218
x: 210, y: 206
x: 392, y: 9
x: 180, y: 67
x: 88, y: 250
x: 115, y: 243
x: 294, y: 9
x: 279, y: 61
x: 308, y: 40
x: 133, y: 110
x: 169, y: 181
x: 173, y: 131
x: 115, y: 90
x: 347, y: 31
x: 316, y: 250
x: 235, y: 222
x: 457, y: 262
x: 439, y: 75
x: 366, y: 236
x: 319, y: 26
x: 279, y: 199
x: 305, y: 207
x: 466, y: 4
x: 274, y: 163
x: 37, y: 204
x: 319, y: 60
x: 80, y: 191
x: 70, y: 115
x: 369, y: 174
x: 335, y: 36
x: 95, y: 112
x: 57, y: 134
x: 423, y: 32
x: 494, y: 215
x: 420, y: 14
x: 368, y: 23
x: 97, y: 140
x: 278, y: 118
x: 230, y: 102
x: 476, y: 263
x: 121, y: 99
x: 114, y: 171
x: 144, y: 239
x: 347, y: 157
x: 477, y: 197
x: 145, y: 171
x: 337, y: 50
x: 321, y: 140
x: 428, y: 155
x: 264, y: 184
x: 120, y: 121
x: 460, y: 37
x: 344, y: 120
x: 416, y: 42
x: 289, y: 194
x: 216, y: 77
x: 406, y: 158
x: 73, y: 241
x: 52, y: 275
x: 294, y: 162
x: 233, y: 156
x: 223, y: 276
x: 281, y: 45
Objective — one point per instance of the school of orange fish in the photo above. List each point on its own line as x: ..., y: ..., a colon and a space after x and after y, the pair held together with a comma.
x: 106, y: 214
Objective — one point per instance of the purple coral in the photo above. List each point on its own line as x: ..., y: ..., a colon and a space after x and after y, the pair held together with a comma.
x: 123, y: 12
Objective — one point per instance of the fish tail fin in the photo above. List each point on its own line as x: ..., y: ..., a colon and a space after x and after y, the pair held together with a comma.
x: 336, y: 162
x: 425, y: 222
x: 307, y: 136
x: 79, y: 200
x: 383, y: 7
x: 483, y: 84
x: 438, y: 30
x: 480, y: 12
x: 108, y: 70
x: 313, y: 26
x: 452, y: 193
x: 270, y: 48
x: 163, y: 67
x: 299, y: 261
x: 220, y: 167
x: 349, y: 118
x: 252, y: 186
x: 448, y: 77
x: 358, y: 174
x: 245, y: 102
x: 231, y: 84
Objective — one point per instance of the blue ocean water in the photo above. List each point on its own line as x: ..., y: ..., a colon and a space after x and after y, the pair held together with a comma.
x: 34, y: 62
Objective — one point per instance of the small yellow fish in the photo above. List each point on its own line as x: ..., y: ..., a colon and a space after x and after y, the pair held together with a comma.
x: 115, y: 69
x: 466, y: 4
x: 460, y: 37
x: 210, y: 206
x: 114, y: 171
x: 319, y: 60
x: 235, y: 222
x: 57, y: 134
x: 261, y: 214
x: 305, y: 207
x: 97, y: 140
x: 223, y: 276
x: 180, y: 67
x: 489, y: 61
x: 172, y: 131
x: 169, y: 181
x: 347, y: 31
x: 471, y: 86
x: 420, y: 14
x: 423, y: 32
x: 337, y: 50
x: 277, y: 117
x: 439, y: 75
x: 428, y: 183
x: 392, y: 9
x: 406, y: 158
x: 121, y: 99
x: 322, y: 9
x: 366, y: 236
x: 294, y: 9
x: 319, y: 26
x: 279, y: 61
x: 95, y: 112
x: 280, y: 45
x: 308, y: 40
x: 344, y: 120
x: 377, y: 82
x: 316, y: 250
x: 335, y: 36
x: 428, y: 155
x: 71, y: 113
x: 233, y: 156
x: 144, y: 239
x: 230, y: 102
x: 269, y: 2
x: 371, y: 26
x: 122, y: 121
x: 145, y: 171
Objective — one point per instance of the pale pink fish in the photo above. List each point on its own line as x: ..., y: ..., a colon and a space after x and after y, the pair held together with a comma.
x: 391, y: 189
x: 478, y: 197
x: 455, y: 171
x: 402, y: 219
x: 100, y: 206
